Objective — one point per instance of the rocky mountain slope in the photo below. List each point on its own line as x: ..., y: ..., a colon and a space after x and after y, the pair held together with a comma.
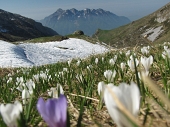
x: 14, y: 27
x: 88, y: 20
x: 154, y: 28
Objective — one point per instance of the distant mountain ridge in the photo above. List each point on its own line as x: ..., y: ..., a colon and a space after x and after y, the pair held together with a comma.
x: 14, y: 27
x: 88, y: 20
x: 153, y: 28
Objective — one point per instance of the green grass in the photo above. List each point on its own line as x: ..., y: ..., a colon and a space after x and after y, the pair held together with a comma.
x: 47, y: 39
x: 84, y: 105
x: 84, y: 37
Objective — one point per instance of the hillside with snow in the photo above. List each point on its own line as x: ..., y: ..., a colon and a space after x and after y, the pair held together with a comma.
x: 153, y: 28
x: 36, y: 54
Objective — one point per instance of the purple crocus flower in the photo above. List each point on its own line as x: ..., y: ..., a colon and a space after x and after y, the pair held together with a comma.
x: 54, y: 111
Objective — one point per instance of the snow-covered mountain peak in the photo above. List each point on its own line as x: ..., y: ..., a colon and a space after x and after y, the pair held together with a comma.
x: 88, y: 20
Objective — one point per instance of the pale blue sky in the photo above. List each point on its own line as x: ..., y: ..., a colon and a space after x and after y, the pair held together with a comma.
x: 39, y: 9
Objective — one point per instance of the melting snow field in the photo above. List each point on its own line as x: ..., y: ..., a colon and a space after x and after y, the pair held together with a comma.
x: 153, y: 33
x: 36, y: 54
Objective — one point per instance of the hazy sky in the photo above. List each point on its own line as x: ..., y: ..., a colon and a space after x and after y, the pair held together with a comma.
x: 39, y: 9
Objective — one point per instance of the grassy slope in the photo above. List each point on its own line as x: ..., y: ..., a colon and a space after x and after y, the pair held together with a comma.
x: 130, y: 34
x: 47, y: 39
x: 127, y: 35
x: 60, y: 38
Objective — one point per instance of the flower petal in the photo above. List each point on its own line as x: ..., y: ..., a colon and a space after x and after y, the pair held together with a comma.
x: 135, y: 96
x: 111, y: 105
x: 61, y: 111
x: 41, y: 107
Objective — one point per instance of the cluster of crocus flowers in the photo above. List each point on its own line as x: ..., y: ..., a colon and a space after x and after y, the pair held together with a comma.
x: 110, y: 75
x: 53, y: 111
x: 89, y: 67
x: 42, y: 75
x: 26, y: 89
x: 79, y: 77
x: 11, y: 113
x: 55, y: 91
x: 127, y: 95
x: 145, y: 50
x: 113, y: 60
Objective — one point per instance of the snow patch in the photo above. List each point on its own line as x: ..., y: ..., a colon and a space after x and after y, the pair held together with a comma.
x: 161, y: 19
x: 152, y: 33
x: 12, y: 56
x: 36, y: 54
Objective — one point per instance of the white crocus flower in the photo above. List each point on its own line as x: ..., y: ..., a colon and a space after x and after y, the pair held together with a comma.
x: 102, y: 59
x: 43, y: 75
x: 60, y: 74
x: 20, y: 83
x: 69, y: 62
x: 115, y: 58
x: 128, y: 53
x: 11, y: 113
x: 25, y: 95
x: 90, y: 67
x: 145, y: 50
x: 168, y: 53
x: 147, y: 62
x: 78, y: 62
x: 30, y: 85
x: 79, y: 77
x: 20, y: 80
x: 96, y: 60
x: 129, y: 96
x: 36, y: 77
x: 110, y: 75
x: 53, y: 92
x: 131, y: 63
x: 164, y: 54
x: 122, y: 65
x: 26, y: 89
x: 112, y: 61
x: 9, y: 80
x: 101, y: 86
x: 65, y: 69
x: 165, y: 48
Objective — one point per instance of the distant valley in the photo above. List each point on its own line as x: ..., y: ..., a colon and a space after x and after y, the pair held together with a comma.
x: 88, y: 20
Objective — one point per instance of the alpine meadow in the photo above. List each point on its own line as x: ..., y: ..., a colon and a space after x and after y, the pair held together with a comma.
x: 85, y: 68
